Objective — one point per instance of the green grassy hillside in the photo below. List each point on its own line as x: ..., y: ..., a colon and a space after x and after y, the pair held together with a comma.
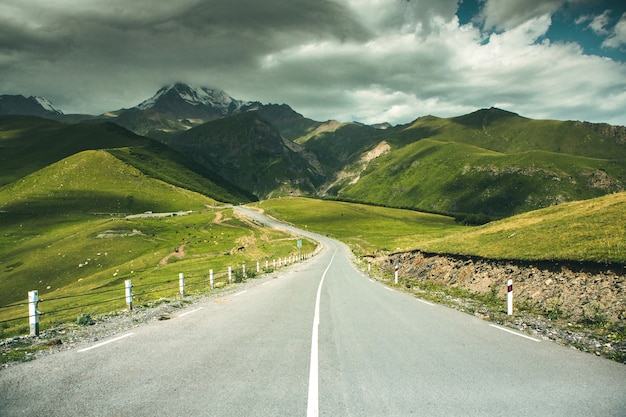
x: 368, y: 229
x: 161, y: 162
x: 591, y: 230
x: 338, y: 144
x: 79, y: 263
x: 29, y: 144
x: 491, y: 163
x: 450, y: 177
x: 62, y: 229
x: 32, y: 143
x: 95, y: 182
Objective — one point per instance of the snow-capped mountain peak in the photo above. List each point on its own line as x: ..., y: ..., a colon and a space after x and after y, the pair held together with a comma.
x: 45, y: 103
x: 32, y: 106
x: 195, y: 96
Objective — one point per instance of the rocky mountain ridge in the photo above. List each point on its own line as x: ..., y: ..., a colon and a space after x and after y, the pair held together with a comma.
x: 491, y: 163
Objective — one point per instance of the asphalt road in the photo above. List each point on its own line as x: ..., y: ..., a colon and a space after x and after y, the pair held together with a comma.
x: 320, y: 338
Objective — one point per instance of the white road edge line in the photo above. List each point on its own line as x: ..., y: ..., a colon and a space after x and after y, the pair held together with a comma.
x: 389, y: 289
x: 189, y: 312
x: 106, y: 343
x: 312, y: 409
x: 424, y: 301
x: 239, y: 293
x: 515, y: 333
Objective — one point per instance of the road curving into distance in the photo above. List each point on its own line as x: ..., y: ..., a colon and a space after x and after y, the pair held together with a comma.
x: 322, y: 339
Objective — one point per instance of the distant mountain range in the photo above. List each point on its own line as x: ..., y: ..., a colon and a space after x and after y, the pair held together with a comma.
x: 489, y: 163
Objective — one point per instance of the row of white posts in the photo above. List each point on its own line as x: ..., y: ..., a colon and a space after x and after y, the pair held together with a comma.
x: 181, y: 278
x: 33, y: 296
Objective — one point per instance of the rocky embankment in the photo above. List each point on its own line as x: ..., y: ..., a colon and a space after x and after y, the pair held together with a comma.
x: 578, y: 304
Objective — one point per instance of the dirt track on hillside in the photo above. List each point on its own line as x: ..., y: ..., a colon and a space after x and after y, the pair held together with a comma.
x: 179, y: 253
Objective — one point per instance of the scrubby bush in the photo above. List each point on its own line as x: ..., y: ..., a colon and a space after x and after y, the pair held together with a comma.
x: 553, y: 308
x: 594, y: 314
x: 85, y: 319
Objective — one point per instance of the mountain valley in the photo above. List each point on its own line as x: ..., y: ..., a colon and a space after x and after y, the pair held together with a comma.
x: 488, y: 164
x: 66, y: 179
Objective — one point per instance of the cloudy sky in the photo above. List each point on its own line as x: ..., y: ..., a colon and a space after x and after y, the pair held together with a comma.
x: 362, y: 60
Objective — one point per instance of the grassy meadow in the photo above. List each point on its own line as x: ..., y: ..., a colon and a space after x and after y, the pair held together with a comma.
x: 590, y: 230
x: 367, y: 229
x: 64, y: 231
x: 79, y: 264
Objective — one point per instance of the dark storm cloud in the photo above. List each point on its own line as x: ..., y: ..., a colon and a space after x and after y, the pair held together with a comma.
x: 145, y: 44
x: 367, y: 60
x: 198, y: 31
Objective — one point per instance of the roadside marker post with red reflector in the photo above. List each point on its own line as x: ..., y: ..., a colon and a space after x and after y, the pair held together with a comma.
x: 509, y: 297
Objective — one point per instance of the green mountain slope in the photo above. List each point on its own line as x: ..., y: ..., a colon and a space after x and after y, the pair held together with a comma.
x: 590, y: 230
x: 507, y: 132
x: 491, y: 163
x: 29, y: 144
x: 252, y: 154
x: 291, y: 124
x: 161, y: 162
x: 339, y: 144
x: 94, y: 182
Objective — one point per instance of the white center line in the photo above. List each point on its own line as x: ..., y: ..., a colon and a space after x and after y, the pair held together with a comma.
x: 312, y: 409
x: 515, y: 333
x: 106, y: 343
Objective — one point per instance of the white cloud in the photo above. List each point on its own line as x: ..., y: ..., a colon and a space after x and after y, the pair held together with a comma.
x: 508, y: 14
x: 617, y: 38
x: 599, y: 24
x: 383, y: 16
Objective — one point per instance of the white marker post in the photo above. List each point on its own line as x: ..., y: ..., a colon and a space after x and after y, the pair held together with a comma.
x: 509, y: 297
x: 230, y: 275
x: 396, y: 273
x: 243, y: 270
x: 129, y: 294
x: 211, y: 280
x: 33, y: 313
x: 181, y: 284
x: 258, y: 267
x: 299, y: 245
